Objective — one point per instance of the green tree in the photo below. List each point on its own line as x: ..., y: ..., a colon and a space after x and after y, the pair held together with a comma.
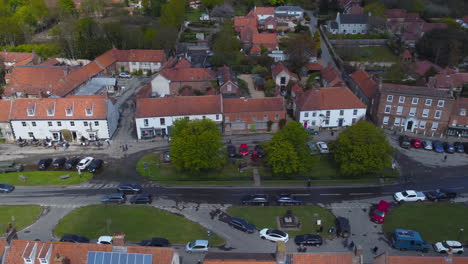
x: 211, y: 3
x: 66, y: 6
x: 196, y: 145
x: 269, y: 88
x: 299, y: 49
x: 281, y: 156
x: 277, y: 2
x: 173, y: 13
x: 362, y: 149
x: 226, y: 47
x: 376, y: 9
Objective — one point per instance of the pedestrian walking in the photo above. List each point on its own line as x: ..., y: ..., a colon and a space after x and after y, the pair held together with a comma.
x: 445, y: 158
x: 126, y: 147
x: 309, y: 183
x: 108, y: 142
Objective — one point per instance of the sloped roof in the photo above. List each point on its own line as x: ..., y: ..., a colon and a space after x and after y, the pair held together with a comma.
x: 178, y: 106
x: 363, y: 80
x: 395, y: 13
x: 414, y: 90
x: 5, y: 111
x: 424, y: 260
x: 278, y: 68
x: 264, y: 10
x: 406, y: 55
x: 354, y: 19
x: 183, y: 63
x: 332, y: 76
x: 422, y: 67
x: 460, y: 103
x: 356, y: 10
x: 17, y: 58
x: 328, y: 98
x: 323, y: 258
x: 267, y: 38
x: 243, y: 105
x: 238, y: 258
x: 188, y: 74
x: 314, y: 66
x: 289, y: 8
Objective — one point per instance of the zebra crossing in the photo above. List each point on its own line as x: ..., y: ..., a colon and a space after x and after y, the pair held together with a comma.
x: 110, y: 185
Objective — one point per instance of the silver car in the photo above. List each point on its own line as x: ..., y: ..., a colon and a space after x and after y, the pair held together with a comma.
x: 323, y: 148
x: 427, y: 145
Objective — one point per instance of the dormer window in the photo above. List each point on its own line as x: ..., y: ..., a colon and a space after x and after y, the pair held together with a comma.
x: 69, y: 111
x: 89, y: 111
x: 51, y: 110
x: 31, y: 109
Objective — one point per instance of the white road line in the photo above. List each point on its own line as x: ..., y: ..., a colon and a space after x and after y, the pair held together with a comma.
x: 360, y: 193
x: 458, y: 188
x: 330, y: 194
x: 301, y: 194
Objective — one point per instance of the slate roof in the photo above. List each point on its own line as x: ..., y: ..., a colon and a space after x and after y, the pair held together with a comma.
x: 414, y: 90
x: 177, y: 106
x: 354, y: 19
x: 328, y: 98
x: 289, y: 8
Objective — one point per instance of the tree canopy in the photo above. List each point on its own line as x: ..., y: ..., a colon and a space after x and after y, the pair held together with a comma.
x: 226, y: 47
x: 362, y: 149
x: 299, y: 49
x: 196, y: 145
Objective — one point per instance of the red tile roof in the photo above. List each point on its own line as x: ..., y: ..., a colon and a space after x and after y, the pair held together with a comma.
x: 246, y: 34
x: 50, y: 62
x: 328, y: 98
x: 365, y: 82
x: 356, y: 10
x: 422, y: 67
x: 79, y: 104
x: 264, y: 10
x: 5, y: 106
x: 178, y: 106
x: 17, y: 58
x: 281, y: 68
x: 188, y: 74
x: 422, y: 260
x: 406, y: 55
x: 314, y: 67
x: 241, y: 105
x: 446, y: 80
x: 332, y: 77
x: 265, y: 38
x: 183, y: 63
x: 460, y: 103
x: 297, y: 89
x: 323, y: 258
x: 244, y: 22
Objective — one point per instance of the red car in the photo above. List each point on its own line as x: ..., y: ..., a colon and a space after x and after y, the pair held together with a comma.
x: 244, y: 149
x: 416, y: 143
x: 378, y: 215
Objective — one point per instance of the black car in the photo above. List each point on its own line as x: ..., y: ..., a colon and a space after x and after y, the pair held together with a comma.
x: 118, y: 198
x: 129, y: 188
x: 231, y: 150
x: 343, y: 228
x: 155, y: 242
x: 405, y: 141
x: 6, y: 188
x: 441, y: 194
x: 142, y: 199
x: 288, y: 199
x: 256, y: 199
x: 459, y: 147
x: 260, y: 151
x: 59, y: 162
x: 95, y: 165
x: 449, y: 147
x: 44, y: 164
x: 308, y: 240
x: 242, y: 225
x: 74, y: 239
x: 71, y: 163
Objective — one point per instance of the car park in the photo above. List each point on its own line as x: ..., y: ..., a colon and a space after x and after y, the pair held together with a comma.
x: 459, y: 147
x: 242, y: 224
x: 10, y: 166
x: 74, y: 239
x: 260, y: 151
x: 308, y: 240
x: 71, y: 163
x: 427, y: 144
x: 343, y: 229
x: 288, y: 199
x: 95, y: 165
x: 437, y: 146
x: 116, y: 198
x: 441, y: 194
x: 125, y: 75
x: 448, y: 246
x: 416, y: 143
x: 104, y: 240
x: 273, y: 235
x: 59, y: 162
x: 244, y: 149
x: 379, y: 213
x: 449, y: 147
x: 129, y: 188
x: 44, y: 164
x: 322, y: 147
x: 155, y: 242
x: 197, y: 246
x: 6, y: 188
x: 256, y: 199
x: 231, y: 150
x: 409, y: 196
x: 142, y: 198
x: 404, y: 141
x: 404, y: 239
x: 84, y: 163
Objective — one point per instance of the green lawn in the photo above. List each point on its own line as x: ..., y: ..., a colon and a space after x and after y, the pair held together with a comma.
x: 370, y: 54
x: 265, y: 217
x: 44, y: 178
x: 193, y: 15
x: 138, y: 222
x: 24, y: 215
x: 434, y: 221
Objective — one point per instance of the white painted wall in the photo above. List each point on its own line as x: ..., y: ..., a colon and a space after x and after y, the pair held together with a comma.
x: 160, y: 85
x: 6, y: 132
x: 144, y: 66
x: 308, y: 116
x: 352, y: 28
x: 279, y: 76
x: 260, y: 17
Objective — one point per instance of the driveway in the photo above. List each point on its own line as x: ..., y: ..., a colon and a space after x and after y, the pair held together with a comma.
x: 250, y: 84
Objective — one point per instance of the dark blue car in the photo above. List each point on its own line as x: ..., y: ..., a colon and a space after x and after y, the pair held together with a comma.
x: 74, y: 239
x: 437, y: 146
x: 449, y: 147
x: 242, y: 225
x: 287, y: 199
x: 6, y: 188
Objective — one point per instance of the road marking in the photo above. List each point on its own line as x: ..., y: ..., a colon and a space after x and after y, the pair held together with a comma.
x: 458, y: 188
x: 360, y: 193
x: 301, y: 194
x: 330, y: 194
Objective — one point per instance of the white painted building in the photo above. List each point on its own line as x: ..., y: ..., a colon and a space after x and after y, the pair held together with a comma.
x: 289, y: 12
x: 160, y: 85
x: 349, y: 24
x: 156, y: 116
x: 5, y: 126
x: 328, y: 108
x: 88, y: 116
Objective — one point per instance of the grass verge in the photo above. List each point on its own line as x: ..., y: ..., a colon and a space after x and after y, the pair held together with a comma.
x: 24, y: 215
x: 370, y: 54
x: 265, y: 217
x: 434, y: 221
x: 44, y: 178
x: 138, y: 222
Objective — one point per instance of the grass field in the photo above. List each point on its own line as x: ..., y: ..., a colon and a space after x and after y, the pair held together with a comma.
x: 24, y: 215
x: 193, y: 15
x: 265, y: 217
x: 44, y: 178
x: 370, y: 54
x: 434, y: 221
x: 138, y: 222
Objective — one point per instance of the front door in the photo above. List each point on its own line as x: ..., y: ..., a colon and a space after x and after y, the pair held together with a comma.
x: 340, y: 122
x: 409, y: 125
x: 283, y: 80
x: 74, y: 135
x: 305, y: 124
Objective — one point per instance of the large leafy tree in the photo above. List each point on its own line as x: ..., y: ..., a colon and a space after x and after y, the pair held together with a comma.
x: 362, y: 149
x: 172, y: 13
x: 196, y: 145
x: 226, y: 47
x: 299, y: 49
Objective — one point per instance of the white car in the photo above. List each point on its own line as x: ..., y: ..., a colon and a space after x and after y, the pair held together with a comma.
x: 197, y: 246
x: 84, y: 163
x: 105, y: 240
x: 445, y: 246
x: 274, y: 235
x: 323, y: 148
x: 409, y: 196
x: 125, y: 75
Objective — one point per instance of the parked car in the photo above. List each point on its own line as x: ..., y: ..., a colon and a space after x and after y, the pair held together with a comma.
x: 142, y: 198
x: 273, y: 235
x: 125, y: 75
x: 465, y: 147
x: 197, y: 246
x: 416, y: 143
x: 242, y: 224
x: 155, y: 242
x: 459, y: 147
x: 449, y: 147
x: 95, y: 165
x: 44, y: 164
x: 59, y: 162
x: 403, y: 239
x: 167, y: 157
x: 74, y: 239
x: 404, y: 141
x: 312, y: 131
x: 322, y: 147
x: 117, y: 198
x: 409, y: 196
x: 437, y: 146
x: 260, y: 151
x: 105, y: 240
x: 343, y: 229
x: 308, y: 240
x: 288, y: 199
x: 312, y: 147
x: 256, y: 199
x: 244, y: 149
x: 129, y: 188
x: 6, y: 188
x: 440, y: 194
x: 427, y: 144
x: 10, y: 166
x: 445, y: 246
x: 231, y: 150
x: 71, y: 163
x: 84, y: 163
x: 379, y: 213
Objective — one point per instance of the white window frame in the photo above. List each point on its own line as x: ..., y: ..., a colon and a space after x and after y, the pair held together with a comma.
x: 306, y: 114
x: 389, y: 109
x: 397, y: 121
x: 385, y: 120
x: 425, y: 113
x: 412, y: 111
x: 422, y: 124
x: 428, y: 102
x: 401, y: 100
x: 355, y: 111
x: 389, y: 98
x: 434, y: 126
x: 440, y: 103
x: 438, y: 114
x: 399, y: 110
x: 415, y: 100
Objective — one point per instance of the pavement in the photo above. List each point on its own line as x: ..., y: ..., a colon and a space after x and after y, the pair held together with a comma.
x: 250, y: 84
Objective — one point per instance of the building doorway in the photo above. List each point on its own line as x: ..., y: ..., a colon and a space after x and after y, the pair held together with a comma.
x: 74, y: 136
x: 340, y: 122
x: 409, y: 125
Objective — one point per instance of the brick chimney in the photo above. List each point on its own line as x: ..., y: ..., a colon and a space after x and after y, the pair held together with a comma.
x: 60, y: 259
x: 118, y: 239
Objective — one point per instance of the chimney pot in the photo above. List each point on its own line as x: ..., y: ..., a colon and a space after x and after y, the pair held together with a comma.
x: 118, y: 239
